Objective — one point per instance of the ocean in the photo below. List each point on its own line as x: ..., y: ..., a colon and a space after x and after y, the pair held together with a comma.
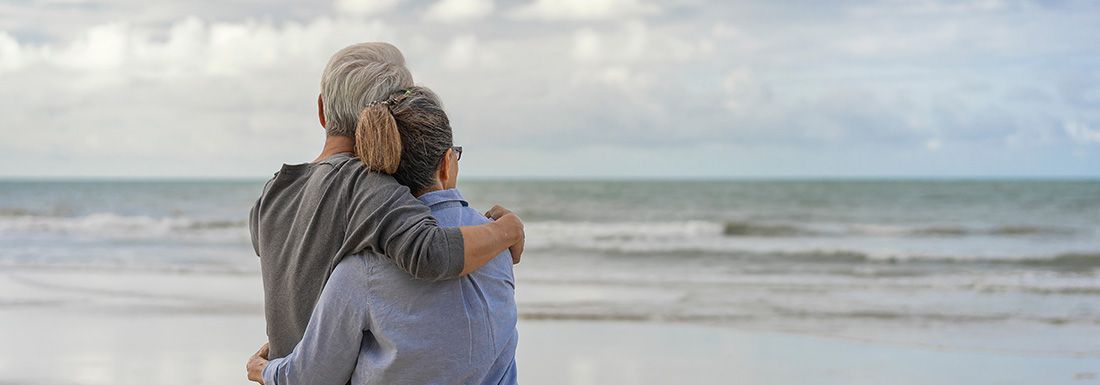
x: 955, y: 263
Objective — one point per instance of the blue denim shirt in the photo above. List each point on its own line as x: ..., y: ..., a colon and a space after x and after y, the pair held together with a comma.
x: 374, y: 324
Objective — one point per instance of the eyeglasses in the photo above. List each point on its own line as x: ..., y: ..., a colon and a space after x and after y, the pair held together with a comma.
x: 458, y: 152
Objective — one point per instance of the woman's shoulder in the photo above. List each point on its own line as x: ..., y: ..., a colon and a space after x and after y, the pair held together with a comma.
x: 472, y: 217
x: 351, y: 272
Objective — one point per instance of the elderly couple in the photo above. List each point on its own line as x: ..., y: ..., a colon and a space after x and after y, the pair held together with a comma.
x: 363, y: 282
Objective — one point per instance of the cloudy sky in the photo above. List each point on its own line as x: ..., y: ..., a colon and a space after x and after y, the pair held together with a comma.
x: 574, y: 88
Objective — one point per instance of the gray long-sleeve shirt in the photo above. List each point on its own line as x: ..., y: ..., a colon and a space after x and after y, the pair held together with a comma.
x: 311, y: 215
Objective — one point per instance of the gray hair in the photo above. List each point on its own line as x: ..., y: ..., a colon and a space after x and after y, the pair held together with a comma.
x: 354, y: 77
x: 405, y: 136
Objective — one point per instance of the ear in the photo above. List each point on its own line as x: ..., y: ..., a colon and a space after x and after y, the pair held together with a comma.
x: 321, y: 111
x: 444, y: 168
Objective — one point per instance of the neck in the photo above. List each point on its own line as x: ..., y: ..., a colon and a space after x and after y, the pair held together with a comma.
x: 427, y: 190
x: 335, y: 145
x: 435, y: 187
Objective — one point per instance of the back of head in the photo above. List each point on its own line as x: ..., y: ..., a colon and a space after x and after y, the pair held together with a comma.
x: 357, y: 75
x: 406, y: 135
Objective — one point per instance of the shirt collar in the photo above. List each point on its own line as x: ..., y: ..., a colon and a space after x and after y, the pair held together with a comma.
x: 443, y: 196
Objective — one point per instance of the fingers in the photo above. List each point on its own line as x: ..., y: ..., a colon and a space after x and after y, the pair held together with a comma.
x: 256, y: 364
x: 517, y: 249
x: 496, y: 212
x: 262, y: 353
x: 517, y: 252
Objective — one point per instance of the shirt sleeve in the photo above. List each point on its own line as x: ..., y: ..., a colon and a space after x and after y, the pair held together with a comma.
x: 385, y: 218
x: 253, y: 222
x: 329, y: 349
x: 254, y: 218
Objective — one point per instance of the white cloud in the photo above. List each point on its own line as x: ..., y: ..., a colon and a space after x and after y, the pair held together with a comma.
x: 635, y: 41
x: 954, y: 6
x: 733, y: 39
x: 459, y: 10
x: 723, y: 30
x: 587, y: 45
x: 461, y: 53
x: 119, y: 91
x: 933, y: 144
x: 630, y: 42
x: 736, y: 80
x: 931, y: 39
x: 11, y: 53
x: 743, y: 91
x: 122, y: 82
x: 931, y: 7
x: 1080, y: 133
x: 192, y: 47
x: 623, y: 78
x: 366, y: 7
x: 103, y: 47
x: 466, y: 52
x: 584, y: 9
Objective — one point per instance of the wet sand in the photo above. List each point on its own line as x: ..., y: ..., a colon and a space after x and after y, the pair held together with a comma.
x: 65, y: 327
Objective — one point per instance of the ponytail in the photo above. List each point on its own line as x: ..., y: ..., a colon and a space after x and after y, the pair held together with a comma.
x: 377, y: 141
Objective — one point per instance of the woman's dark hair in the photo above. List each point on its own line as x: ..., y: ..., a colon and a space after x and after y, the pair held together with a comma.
x: 406, y: 136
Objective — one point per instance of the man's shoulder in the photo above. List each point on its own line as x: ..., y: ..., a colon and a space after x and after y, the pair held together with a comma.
x: 348, y: 167
x: 340, y: 165
x: 360, y: 178
x: 345, y: 173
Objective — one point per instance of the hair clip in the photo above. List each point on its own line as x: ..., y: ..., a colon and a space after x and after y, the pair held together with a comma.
x: 391, y: 101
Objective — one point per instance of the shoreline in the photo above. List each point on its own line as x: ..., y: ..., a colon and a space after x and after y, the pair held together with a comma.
x: 42, y: 348
x: 135, y: 327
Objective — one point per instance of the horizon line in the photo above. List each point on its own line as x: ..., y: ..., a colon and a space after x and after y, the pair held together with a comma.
x: 597, y: 178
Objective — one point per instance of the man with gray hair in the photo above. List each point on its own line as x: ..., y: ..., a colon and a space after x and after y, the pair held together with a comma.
x: 310, y: 216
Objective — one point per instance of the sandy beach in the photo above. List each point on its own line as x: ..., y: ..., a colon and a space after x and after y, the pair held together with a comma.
x: 140, y: 327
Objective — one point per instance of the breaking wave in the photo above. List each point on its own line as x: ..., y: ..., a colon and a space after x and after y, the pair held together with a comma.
x: 110, y: 225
